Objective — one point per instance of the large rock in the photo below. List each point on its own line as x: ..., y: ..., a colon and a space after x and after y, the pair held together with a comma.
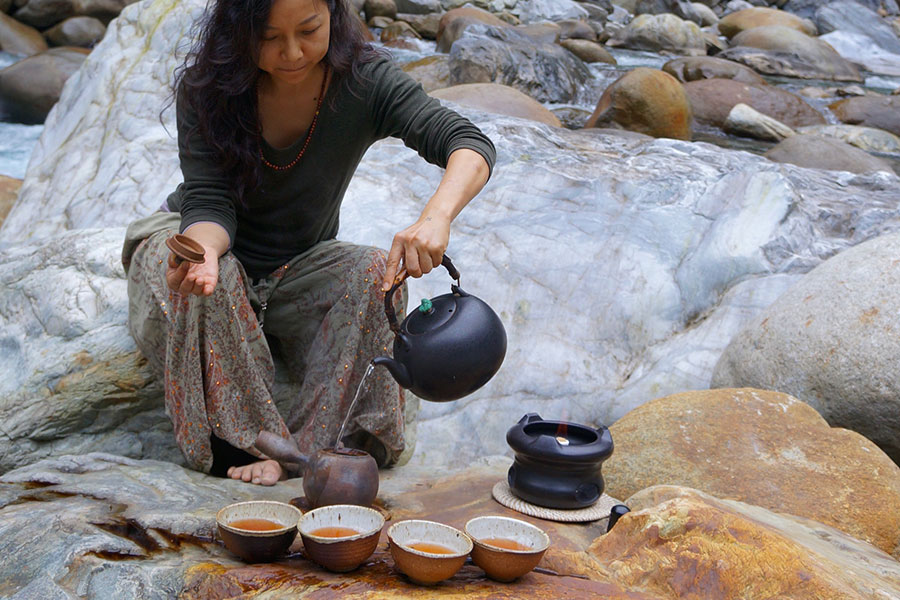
x: 762, y: 448
x: 830, y: 342
x: 131, y: 530
x: 850, y: 16
x: 45, y: 13
x: 680, y: 8
x: 713, y: 99
x: 863, y: 50
x: 821, y: 152
x: 9, y: 191
x: 454, y: 22
x: 742, y: 20
x: 658, y: 33
x: 537, y: 11
x: 30, y: 87
x: 545, y: 71
x: 499, y: 99
x: 808, y: 8
x: 84, y: 32
x: 881, y: 112
x: 647, y: 101
x: 709, y: 67
x: 18, y: 38
x: 745, y: 121
x: 779, y: 50
x: 433, y: 72
x: 685, y: 241
x: 682, y: 543
x: 589, y: 52
x: 864, y: 138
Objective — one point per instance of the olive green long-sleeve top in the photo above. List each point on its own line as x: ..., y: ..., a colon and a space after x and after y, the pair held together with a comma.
x: 292, y: 210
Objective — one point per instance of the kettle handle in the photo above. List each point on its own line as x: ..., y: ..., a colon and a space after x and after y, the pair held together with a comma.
x: 398, y: 281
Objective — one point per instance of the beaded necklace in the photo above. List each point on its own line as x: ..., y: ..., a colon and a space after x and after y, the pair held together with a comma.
x: 312, y: 127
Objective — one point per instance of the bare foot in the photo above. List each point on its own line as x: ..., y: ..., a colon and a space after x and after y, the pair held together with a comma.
x: 264, y: 472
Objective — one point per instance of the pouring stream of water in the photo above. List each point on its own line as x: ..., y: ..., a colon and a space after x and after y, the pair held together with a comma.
x: 337, y: 444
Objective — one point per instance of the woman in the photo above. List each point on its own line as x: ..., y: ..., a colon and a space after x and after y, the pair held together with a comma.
x: 275, y: 106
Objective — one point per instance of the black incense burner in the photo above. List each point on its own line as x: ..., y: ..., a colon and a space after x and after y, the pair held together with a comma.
x: 557, y: 464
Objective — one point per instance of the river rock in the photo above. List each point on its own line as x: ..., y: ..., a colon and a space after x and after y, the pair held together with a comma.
x: 661, y: 33
x: 536, y: 11
x: 433, y: 72
x: 132, y: 529
x: 455, y: 21
x: 709, y: 67
x: 864, y: 138
x: 750, y: 18
x: 44, y: 13
x: 745, y: 121
x: 820, y: 152
x: 682, y: 543
x: 30, y: 87
x: 380, y: 8
x: 647, y: 101
x: 419, y: 7
x: 546, y: 72
x: 541, y: 33
x: 18, y: 38
x: 398, y: 30
x: 830, y: 342
x: 576, y: 30
x: 779, y: 50
x: 737, y: 230
x: 425, y: 25
x: 680, y: 8
x: 763, y: 448
x: 881, y: 112
x: 589, y: 52
x: 850, y: 16
x: 9, y: 191
x: 84, y: 32
x: 713, y: 99
x: 808, y: 8
x: 864, y: 51
x: 500, y: 99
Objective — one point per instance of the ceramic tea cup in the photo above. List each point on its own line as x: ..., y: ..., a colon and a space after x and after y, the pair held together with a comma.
x: 340, y: 537
x: 428, y: 552
x: 259, y: 530
x: 506, y: 548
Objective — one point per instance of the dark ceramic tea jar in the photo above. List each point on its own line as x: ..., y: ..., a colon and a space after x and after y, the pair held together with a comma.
x: 557, y: 464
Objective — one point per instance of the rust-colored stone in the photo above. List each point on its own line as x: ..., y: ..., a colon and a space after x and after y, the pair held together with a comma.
x: 9, y: 191
x: 681, y: 543
x: 764, y: 448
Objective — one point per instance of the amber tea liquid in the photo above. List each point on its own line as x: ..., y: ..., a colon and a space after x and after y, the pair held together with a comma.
x: 256, y: 525
x: 334, y: 532
x: 505, y: 544
x: 429, y: 548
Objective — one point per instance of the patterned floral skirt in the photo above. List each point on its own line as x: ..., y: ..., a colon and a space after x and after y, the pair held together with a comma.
x: 322, y: 313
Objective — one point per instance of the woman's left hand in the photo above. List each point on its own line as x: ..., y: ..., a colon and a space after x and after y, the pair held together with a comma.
x: 420, y: 248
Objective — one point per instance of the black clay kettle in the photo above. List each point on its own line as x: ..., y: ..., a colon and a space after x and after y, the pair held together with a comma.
x: 447, y: 347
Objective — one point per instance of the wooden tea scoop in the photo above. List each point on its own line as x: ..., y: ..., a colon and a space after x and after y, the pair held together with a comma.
x: 185, y: 249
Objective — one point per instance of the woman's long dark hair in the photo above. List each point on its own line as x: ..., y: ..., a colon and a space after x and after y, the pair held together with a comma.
x: 219, y: 75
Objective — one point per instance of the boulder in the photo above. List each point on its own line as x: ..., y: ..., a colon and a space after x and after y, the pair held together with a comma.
x: 763, y: 448
x: 808, y: 8
x: 419, y: 7
x: 820, y: 152
x: 709, y: 67
x: 661, y: 33
x: 881, y: 112
x: 537, y: 11
x: 779, y: 50
x: 398, y: 30
x: 455, y: 21
x: 18, y: 38
x: 546, y: 72
x: 864, y: 51
x: 830, y: 341
x: 433, y: 72
x: 750, y: 18
x: 541, y: 33
x: 850, y: 16
x: 589, y: 52
x: 380, y: 8
x: 680, y: 8
x: 425, y: 25
x: 499, y: 99
x: 576, y: 30
x: 30, y: 87
x: 44, y: 13
x: 745, y: 121
x: 864, y: 138
x: 682, y: 543
x: 647, y: 101
x: 712, y: 100
x: 9, y: 191
x: 84, y: 32
x: 707, y: 16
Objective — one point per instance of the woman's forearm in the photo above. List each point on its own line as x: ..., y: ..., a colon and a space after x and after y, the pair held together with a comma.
x: 466, y: 173
x: 211, y: 235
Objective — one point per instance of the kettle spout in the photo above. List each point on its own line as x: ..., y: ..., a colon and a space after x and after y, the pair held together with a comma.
x: 397, y: 370
x: 283, y: 450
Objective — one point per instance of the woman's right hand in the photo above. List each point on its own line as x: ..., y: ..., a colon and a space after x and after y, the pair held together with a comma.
x: 193, y: 278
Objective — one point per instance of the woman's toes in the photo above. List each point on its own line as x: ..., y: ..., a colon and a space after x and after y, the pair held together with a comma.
x: 271, y: 473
